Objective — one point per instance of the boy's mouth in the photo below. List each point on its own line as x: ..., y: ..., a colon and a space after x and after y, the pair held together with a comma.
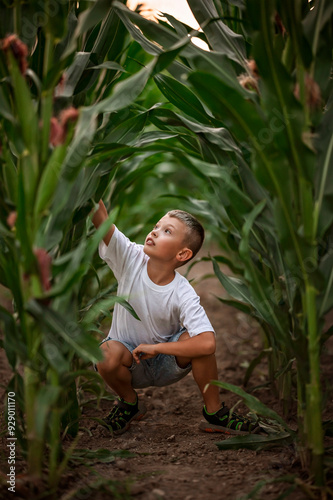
x: 150, y: 241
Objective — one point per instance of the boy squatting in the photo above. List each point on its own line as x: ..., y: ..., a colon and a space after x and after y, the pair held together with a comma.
x: 173, y: 336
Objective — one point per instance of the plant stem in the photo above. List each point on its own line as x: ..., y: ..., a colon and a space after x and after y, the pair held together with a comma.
x: 17, y: 16
x: 35, y: 447
x: 313, y: 390
x: 54, y: 437
x: 47, y: 95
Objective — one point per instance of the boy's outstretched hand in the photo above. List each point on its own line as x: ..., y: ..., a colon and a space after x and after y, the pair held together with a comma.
x: 145, y: 351
x: 99, y: 216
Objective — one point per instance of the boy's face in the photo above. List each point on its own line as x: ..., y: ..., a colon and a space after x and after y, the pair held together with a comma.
x: 166, y: 240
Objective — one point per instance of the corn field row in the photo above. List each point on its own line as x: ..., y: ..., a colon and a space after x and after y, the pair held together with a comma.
x: 97, y: 101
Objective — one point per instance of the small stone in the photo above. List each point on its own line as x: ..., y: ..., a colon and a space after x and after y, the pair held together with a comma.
x: 171, y: 438
x: 158, y: 492
x: 121, y: 464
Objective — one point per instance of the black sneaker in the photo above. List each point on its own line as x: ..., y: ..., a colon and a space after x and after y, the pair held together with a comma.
x: 122, y: 414
x: 222, y: 421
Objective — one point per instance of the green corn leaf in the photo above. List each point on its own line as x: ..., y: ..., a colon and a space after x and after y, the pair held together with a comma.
x: 78, y: 148
x: 46, y: 398
x: 86, y: 21
x: 292, y: 14
x: 9, y: 174
x: 237, y: 305
x: 183, y: 98
x: 12, y: 344
x: 143, y: 31
x: 254, y: 363
x: 219, y: 66
x: 149, y: 46
x: 71, y: 414
x: 74, y: 73
x: 108, y: 65
x: 127, y: 131
x: 25, y: 109
x: 49, y: 179
x: 22, y: 232
x: 234, y: 286
x: 259, y: 284
x: 319, y: 37
x: 220, y: 36
x: 240, y: 116
x: 325, y: 301
x: 160, y: 34
x: 217, y: 135
x: 92, y: 314
x: 231, y: 195
x: 55, y: 355
x: 324, y: 178
x: 255, y: 442
x: 5, y: 109
x: 87, y: 456
x: 125, y: 92
x: 80, y: 341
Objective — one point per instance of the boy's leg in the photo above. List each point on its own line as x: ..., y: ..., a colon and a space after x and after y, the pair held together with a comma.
x: 114, y: 369
x: 204, y: 370
x: 217, y: 417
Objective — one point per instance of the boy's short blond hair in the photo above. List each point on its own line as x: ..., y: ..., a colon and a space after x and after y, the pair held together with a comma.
x: 195, y: 233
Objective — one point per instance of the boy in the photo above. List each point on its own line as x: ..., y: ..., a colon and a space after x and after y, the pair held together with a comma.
x: 173, y: 335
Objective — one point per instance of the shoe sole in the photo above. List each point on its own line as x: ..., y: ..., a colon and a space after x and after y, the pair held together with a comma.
x: 138, y: 416
x: 207, y: 427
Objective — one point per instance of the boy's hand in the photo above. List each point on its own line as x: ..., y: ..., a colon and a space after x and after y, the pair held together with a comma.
x: 99, y: 216
x: 145, y: 351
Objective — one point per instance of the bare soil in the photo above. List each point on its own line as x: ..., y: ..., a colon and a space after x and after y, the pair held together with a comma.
x: 171, y: 458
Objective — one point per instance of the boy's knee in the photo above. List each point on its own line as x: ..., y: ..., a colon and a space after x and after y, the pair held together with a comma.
x: 114, y: 354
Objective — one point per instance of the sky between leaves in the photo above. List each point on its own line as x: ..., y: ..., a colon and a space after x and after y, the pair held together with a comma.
x: 177, y: 8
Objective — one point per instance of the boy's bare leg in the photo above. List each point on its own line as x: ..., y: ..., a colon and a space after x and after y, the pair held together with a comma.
x: 204, y: 370
x: 114, y: 369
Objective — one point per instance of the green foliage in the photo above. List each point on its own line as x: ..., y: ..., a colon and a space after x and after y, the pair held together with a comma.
x: 68, y: 119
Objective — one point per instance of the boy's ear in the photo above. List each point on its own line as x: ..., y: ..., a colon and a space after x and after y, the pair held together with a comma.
x: 184, y: 254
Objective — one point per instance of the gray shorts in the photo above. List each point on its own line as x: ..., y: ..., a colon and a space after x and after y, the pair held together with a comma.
x: 158, y: 371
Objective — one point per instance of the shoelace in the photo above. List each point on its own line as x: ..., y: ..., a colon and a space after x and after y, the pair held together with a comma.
x: 115, y: 414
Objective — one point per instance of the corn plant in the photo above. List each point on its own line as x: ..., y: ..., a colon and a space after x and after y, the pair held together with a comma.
x: 70, y: 115
x: 254, y: 118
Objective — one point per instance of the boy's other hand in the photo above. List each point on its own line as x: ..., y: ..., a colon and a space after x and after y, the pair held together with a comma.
x: 144, y: 351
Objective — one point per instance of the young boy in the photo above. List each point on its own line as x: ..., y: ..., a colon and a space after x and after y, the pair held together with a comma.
x: 173, y: 335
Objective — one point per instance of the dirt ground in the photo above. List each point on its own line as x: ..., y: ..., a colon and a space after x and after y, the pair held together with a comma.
x: 171, y: 458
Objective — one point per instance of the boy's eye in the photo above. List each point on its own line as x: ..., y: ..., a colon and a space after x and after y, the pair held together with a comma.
x: 168, y: 231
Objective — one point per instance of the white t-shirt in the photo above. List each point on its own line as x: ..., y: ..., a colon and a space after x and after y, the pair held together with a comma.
x: 162, y: 310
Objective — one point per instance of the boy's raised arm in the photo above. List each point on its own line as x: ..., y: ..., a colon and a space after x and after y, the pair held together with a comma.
x: 99, y: 217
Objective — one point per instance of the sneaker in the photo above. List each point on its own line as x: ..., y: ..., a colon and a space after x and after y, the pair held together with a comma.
x: 222, y: 421
x: 122, y: 414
